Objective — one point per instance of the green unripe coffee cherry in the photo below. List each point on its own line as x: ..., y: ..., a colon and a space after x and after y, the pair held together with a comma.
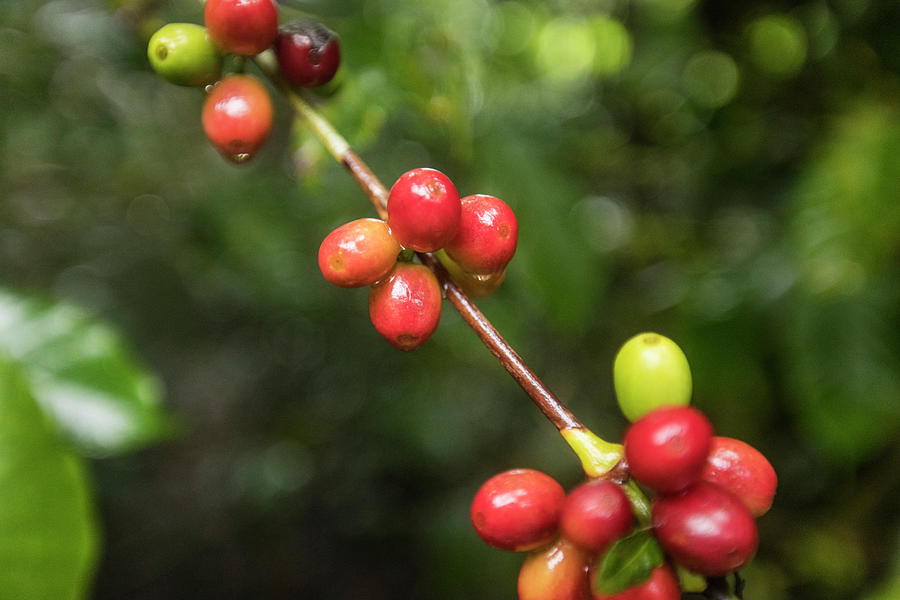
x: 650, y: 371
x: 183, y: 54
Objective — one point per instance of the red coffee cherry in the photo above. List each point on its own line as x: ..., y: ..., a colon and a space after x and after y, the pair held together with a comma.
x: 557, y: 572
x: 358, y: 253
x: 705, y: 529
x: 245, y: 27
x: 405, y: 307
x: 308, y: 53
x: 487, y: 236
x: 423, y: 210
x: 742, y: 470
x: 518, y: 510
x: 237, y: 116
x: 666, y: 449
x: 595, y: 514
x: 662, y: 585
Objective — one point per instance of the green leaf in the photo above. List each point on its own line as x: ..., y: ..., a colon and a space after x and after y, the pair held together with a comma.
x: 629, y: 562
x: 83, y: 375
x: 843, y: 373
x: 48, y: 542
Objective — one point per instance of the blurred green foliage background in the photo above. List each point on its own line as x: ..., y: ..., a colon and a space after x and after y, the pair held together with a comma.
x: 725, y: 173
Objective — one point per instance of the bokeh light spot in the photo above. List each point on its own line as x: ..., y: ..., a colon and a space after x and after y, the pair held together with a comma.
x: 517, y: 27
x: 711, y: 78
x: 777, y: 44
x: 565, y: 50
x: 613, y: 43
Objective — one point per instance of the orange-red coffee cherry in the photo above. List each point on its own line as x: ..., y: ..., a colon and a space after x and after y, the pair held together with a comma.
x: 405, y: 306
x: 742, y: 470
x: 518, y: 510
x: 595, y: 514
x: 706, y: 529
x: 666, y: 449
x: 244, y: 27
x: 487, y: 236
x: 557, y: 572
x: 662, y: 585
x: 358, y: 253
x: 237, y: 116
x: 308, y: 53
x: 423, y: 210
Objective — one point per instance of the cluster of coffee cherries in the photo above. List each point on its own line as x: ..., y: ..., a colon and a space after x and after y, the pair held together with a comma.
x: 477, y: 235
x: 706, y: 490
x: 237, y: 112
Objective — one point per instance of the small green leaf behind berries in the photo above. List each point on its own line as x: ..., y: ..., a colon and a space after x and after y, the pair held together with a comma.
x: 629, y: 562
x: 183, y: 54
x: 650, y: 371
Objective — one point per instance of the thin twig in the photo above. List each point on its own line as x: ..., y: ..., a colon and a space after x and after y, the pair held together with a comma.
x: 377, y: 193
x: 549, y: 404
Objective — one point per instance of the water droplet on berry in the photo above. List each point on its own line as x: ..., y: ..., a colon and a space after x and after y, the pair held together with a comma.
x: 240, y: 157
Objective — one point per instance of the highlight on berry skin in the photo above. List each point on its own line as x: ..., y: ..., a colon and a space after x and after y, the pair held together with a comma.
x: 237, y: 116
x: 517, y: 510
x: 405, y: 306
x: 744, y: 471
x: 474, y: 286
x: 706, y: 529
x: 558, y: 571
x: 595, y: 514
x: 183, y: 54
x: 308, y: 53
x: 358, y: 253
x: 666, y: 449
x: 243, y: 27
x: 650, y: 371
x: 423, y: 210
x: 487, y: 236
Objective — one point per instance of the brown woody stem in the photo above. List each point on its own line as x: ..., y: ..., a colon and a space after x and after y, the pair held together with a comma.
x: 598, y: 457
x: 549, y: 404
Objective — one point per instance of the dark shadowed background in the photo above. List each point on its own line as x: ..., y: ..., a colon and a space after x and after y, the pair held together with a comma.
x: 723, y: 173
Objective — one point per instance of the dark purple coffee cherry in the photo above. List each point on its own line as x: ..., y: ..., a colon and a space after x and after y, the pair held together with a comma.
x: 308, y: 53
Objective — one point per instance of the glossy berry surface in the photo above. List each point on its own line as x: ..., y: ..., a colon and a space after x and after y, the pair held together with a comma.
x: 358, y: 253
x: 308, y: 53
x: 183, y: 54
x: 474, y: 286
x: 423, y: 210
x: 237, y: 116
x: 650, y: 371
x: 662, y: 585
x: 557, y: 572
x: 487, y: 236
x: 405, y: 307
x: 595, y: 514
x: 742, y: 470
x: 244, y: 27
x: 666, y: 449
x: 705, y: 529
x: 517, y: 510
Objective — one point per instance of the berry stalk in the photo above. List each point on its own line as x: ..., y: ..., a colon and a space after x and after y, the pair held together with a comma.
x: 597, y: 456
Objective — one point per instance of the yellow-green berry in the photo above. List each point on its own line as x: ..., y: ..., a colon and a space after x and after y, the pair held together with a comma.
x: 183, y: 54
x: 650, y: 371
